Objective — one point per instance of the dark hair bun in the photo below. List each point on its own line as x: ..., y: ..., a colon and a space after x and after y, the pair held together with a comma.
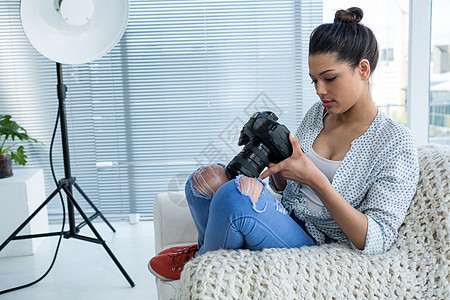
x: 353, y: 15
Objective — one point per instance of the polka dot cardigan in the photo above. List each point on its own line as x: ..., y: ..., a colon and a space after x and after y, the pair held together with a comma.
x: 378, y: 177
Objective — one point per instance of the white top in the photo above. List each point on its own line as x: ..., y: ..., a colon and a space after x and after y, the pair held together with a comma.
x: 329, y: 168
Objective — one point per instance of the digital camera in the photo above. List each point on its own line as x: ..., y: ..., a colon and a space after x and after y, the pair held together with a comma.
x: 265, y: 141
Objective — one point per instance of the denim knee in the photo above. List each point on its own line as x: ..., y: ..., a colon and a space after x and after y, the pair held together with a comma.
x: 203, y: 182
x: 251, y: 187
x: 231, y: 199
x: 191, y: 194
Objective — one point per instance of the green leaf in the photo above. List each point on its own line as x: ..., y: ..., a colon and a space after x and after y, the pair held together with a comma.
x: 10, y: 129
x: 19, y: 157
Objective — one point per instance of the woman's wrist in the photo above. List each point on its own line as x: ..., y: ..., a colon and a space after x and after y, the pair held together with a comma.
x: 318, y: 181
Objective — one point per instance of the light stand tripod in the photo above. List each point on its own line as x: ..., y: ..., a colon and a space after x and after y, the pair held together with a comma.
x: 66, y: 185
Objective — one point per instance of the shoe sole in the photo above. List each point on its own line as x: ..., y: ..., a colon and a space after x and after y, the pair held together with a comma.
x: 157, y: 275
x: 165, y: 251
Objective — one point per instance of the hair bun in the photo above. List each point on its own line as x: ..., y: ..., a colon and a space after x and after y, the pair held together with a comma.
x: 353, y: 15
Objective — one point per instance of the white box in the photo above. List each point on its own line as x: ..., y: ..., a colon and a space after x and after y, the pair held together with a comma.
x: 20, y: 196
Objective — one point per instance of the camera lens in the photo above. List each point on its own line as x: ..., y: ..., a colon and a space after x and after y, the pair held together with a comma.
x: 250, y: 161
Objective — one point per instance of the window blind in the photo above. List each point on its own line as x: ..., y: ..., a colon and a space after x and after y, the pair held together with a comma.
x: 171, y: 96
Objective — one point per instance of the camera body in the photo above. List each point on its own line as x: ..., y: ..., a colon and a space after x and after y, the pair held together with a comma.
x: 265, y: 141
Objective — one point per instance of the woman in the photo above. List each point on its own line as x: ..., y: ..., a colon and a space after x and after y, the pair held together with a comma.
x: 352, y: 183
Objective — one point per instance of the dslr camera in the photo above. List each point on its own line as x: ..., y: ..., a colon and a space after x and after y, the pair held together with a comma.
x: 265, y: 141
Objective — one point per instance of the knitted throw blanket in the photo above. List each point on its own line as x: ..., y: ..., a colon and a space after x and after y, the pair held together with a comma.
x: 416, y: 267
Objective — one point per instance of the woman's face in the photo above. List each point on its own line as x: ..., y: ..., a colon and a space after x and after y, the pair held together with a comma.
x: 339, y: 86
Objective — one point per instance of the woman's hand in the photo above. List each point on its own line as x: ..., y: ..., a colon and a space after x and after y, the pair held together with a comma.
x: 298, y: 167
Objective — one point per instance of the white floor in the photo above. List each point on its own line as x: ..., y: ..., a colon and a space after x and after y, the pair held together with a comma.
x: 84, y: 270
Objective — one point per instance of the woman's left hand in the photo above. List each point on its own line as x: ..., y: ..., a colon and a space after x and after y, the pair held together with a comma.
x: 298, y: 167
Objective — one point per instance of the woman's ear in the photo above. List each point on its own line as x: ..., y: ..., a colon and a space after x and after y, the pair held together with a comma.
x: 364, y: 69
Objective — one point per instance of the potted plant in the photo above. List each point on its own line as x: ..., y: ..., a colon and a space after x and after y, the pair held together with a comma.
x: 13, y: 150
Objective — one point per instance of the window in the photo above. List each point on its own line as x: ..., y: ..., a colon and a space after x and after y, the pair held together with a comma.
x: 172, y: 95
x: 439, y: 130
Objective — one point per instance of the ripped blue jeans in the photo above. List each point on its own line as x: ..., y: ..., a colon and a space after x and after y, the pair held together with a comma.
x: 229, y: 219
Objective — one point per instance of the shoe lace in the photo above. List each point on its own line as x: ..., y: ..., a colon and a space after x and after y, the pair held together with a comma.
x: 180, y: 258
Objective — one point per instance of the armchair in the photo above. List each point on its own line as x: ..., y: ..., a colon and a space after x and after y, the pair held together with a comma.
x: 416, y: 267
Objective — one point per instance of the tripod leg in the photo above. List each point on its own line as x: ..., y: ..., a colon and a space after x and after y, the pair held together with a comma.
x: 14, y: 234
x: 93, y: 205
x: 98, y: 236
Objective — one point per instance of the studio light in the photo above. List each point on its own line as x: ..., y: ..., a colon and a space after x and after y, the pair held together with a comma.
x: 72, y: 32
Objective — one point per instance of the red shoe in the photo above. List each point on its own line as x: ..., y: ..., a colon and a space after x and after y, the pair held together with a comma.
x: 176, y: 249
x: 169, y: 266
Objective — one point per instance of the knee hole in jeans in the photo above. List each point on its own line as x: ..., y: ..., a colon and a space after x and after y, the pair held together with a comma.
x: 251, y: 187
x: 207, y: 180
